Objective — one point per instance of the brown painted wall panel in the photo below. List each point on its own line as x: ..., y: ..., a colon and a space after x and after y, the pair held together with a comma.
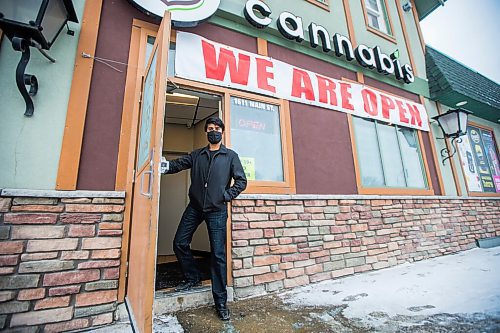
x: 104, y: 113
x: 225, y: 36
x: 312, y: 64
x: 391, y: 89
x: 322, y: 151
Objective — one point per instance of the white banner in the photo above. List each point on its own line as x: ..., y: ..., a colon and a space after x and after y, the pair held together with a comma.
x: 202, y: 60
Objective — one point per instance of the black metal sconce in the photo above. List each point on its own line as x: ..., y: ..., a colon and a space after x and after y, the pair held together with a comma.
x: 33, y: 24
x: 453, y: 124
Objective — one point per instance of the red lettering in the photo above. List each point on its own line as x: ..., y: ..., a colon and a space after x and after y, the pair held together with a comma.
x: 402, y: 112
x: 370, y: 102
x: 216, y: 68
x: 387, y: 105
x: 414, y: 114
x: 257, y: 125
x: 302, y: 85
x: 263, y: 76
x: 346, y: 96
x: 326, y: 89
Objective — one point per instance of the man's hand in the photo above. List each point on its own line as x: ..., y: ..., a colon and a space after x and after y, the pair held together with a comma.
x: 164, y: 165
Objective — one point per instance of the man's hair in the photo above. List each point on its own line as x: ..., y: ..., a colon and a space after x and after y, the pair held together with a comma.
x: 215, y: 121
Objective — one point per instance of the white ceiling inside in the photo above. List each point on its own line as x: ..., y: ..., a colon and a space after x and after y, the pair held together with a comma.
x: 183, y: 106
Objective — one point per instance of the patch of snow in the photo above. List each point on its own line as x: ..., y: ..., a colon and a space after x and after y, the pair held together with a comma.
x: 167, y: 324
x: 464, y: 283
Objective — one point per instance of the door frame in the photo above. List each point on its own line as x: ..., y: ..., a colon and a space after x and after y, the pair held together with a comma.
x: 145, y: 205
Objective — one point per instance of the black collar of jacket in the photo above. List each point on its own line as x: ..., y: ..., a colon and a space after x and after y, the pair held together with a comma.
x: 222, y: 150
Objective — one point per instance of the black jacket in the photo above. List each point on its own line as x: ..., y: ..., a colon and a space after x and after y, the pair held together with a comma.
x: 211, y: 180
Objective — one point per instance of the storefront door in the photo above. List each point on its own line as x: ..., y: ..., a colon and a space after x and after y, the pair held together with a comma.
x: 145, y: 203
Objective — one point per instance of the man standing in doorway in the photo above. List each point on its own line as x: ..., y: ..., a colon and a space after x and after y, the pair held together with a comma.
x: 212, y: 169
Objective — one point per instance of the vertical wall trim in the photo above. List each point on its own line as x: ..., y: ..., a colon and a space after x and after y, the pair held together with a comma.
x: 434, y: 154
x: 69, y: 160
x: 417, y: 24
x: 406, y: 36
x: 350, y: 25
x: 262, y: 47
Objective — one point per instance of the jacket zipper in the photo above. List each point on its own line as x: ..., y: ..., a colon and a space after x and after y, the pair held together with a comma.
x: 210, y: 159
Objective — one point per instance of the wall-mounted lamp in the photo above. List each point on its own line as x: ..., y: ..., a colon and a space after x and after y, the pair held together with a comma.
x: 407, y: 6
x: 453, y: 124
x: 35, y: 23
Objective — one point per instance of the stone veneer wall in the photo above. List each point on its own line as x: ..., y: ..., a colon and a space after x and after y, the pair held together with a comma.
x: 59, y: 259
x: 281, y: 242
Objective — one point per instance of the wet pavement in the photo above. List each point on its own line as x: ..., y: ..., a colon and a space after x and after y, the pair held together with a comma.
x: 455, y: 293
x: 270, y: 315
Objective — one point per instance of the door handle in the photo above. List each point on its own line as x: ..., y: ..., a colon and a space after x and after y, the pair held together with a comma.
x: 149, y: 192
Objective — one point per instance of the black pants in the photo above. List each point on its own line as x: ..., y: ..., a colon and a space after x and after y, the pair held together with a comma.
x: 216, y: 225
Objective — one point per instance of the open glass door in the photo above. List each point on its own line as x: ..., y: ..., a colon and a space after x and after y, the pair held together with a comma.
x: 144, y: 225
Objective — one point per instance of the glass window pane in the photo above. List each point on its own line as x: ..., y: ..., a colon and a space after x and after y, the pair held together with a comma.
x: 149, y: 48
x: 147, y: 113
x: 372, y: 174
x: 256, y: 137
x: 373, y: 21
x: 391, y: 156
x: 171, y: 60
x: 410, y: 151
x: 372, y: 4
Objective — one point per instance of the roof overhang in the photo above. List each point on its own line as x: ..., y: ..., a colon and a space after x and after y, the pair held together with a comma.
x: 425, y: 7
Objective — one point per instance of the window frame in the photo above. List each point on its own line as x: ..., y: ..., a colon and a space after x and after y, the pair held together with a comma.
x: 473, y: 193
x: 389, y: 35
x: 320, y: 4
x: 262, y: 186
x: 389, y: 190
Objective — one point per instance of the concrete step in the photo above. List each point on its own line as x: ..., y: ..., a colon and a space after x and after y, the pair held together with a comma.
x: 171, y: 301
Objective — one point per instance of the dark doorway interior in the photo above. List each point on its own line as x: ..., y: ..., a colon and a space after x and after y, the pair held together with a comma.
x: 185, y: 114
x: 169, y: 274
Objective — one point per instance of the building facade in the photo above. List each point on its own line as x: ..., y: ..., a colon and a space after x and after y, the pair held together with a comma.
x: 328, y: 104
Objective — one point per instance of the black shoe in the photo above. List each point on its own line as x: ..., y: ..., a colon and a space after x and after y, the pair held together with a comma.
x: 223, y: 312
x: 188, y: 285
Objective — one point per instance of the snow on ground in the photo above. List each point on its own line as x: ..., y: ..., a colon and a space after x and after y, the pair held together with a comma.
x: 464, y: 283
x: 167, y: 324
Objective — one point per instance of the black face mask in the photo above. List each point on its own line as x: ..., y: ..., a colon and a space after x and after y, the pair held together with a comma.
x: 214, y: 137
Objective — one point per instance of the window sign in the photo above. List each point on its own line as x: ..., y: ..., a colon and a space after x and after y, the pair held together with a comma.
x: 249, y: 167
x: 480, y: 163
x: 256, y: 137
x: 492, y: 156
x: 469, y: 166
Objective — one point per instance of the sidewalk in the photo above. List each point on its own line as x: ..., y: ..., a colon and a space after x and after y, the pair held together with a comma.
x: 455, y: 293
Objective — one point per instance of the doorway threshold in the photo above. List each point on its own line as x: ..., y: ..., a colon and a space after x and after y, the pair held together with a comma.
x: 168, y: 301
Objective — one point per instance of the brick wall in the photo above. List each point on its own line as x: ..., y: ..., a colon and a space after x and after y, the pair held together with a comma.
x: 59, y: 261
x: 282, y: 243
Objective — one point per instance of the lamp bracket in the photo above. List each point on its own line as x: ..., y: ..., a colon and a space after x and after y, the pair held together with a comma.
x: 69, y: 31
x: 22, y: 79
x: 445, y: 152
